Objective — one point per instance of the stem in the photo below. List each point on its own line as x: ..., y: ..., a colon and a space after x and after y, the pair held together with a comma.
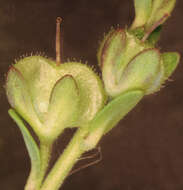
x: 31, y: 181
x: 34, y: 182
x: 45, y: 152
x: 57, y: 43
x: 66, y: 161
x: 87, y: 137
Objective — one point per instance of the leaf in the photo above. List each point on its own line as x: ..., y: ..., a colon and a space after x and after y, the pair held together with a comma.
x: 142, y: 12
x: 29, y: 142
x: 170, y: 61
x: 115, y: 110
x: 63, y: 106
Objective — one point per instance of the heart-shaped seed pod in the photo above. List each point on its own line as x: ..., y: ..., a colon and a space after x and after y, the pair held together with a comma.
x: 128, y: 63
x: 50, y: 97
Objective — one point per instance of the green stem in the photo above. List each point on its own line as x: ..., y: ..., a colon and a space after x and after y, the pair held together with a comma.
x: 34, y: 181
x: 31, y: 181
x: 45, y: 153
x: 87, y: 137
x: 66, y: 161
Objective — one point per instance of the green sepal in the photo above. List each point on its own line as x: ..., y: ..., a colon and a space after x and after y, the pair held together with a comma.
x: 143, y: 10
x: 115, y: 110
x: 63, y: 106
x: 170, y: 62
x: 31, y: 145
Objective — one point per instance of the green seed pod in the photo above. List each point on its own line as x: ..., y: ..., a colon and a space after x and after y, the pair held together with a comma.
x: 52, y: 97
x: 128, y: 63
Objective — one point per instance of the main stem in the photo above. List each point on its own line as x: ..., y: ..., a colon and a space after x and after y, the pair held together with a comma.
x: 65, y: 163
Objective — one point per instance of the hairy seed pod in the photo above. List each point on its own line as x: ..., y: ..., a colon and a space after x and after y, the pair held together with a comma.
x: 128, y: 63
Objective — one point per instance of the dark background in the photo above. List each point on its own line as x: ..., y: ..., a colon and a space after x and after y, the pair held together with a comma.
x: 144, y: 152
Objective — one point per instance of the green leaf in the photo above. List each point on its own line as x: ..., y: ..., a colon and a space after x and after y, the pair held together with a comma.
x: 63, y: 106
x: 170, y: 61
x: 30, y: 144
x: 115, y: 110
x: 142, y: 12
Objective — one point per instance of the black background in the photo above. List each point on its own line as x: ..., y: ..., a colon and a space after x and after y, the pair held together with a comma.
x: 144, y: 152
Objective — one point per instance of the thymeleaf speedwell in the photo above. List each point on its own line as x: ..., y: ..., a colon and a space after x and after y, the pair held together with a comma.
x: 52, y: 96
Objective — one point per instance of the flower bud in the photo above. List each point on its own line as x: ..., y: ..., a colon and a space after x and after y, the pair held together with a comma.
x: 51, y: 98
x: 149, y: 13
x: 128, y: 63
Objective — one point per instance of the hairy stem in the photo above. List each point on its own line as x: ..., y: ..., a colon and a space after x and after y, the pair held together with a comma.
x: 66, y: 161
x: 45, y: 152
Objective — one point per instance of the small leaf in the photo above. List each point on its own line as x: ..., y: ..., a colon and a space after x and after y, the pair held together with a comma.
x: 63, y: 106
x: 115, y: 110
x: 30, y: 144
x: 170, y: 61
x: 142, y: 12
